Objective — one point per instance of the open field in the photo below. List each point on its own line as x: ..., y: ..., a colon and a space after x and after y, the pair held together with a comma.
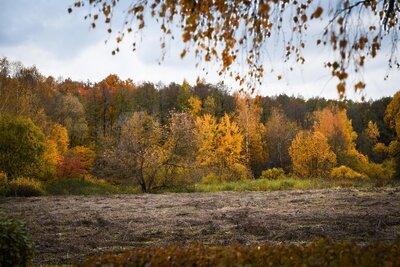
x: 69, y: 228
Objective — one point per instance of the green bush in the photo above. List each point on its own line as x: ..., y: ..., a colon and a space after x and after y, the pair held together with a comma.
x: 211, y: 179
x: 25, y: 187
x: 22, y: 146
x: 273, y: 174
x: 380, y: 171
x: 239, y: 172
x: 323, y: 252
x: 344, y: 172
x: 16, y: 247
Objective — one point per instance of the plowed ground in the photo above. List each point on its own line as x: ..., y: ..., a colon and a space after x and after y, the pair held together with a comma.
x: 69, y: 228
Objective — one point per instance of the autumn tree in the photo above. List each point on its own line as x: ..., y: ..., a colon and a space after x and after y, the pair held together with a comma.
x: 209, y: 105
x: 22, y: 92
x: 279, y: 134
x: 216, y: 99
x: 140, y: 151
x: 207, y: 128
x: 76, y: 162
x: 59, y: 135
x: 334, y: 124
x: 147, y: 98
x: 123, y: 102
x: 56, y: 145
x: 194, y: 104
x: 104, y: 103
x: 229, y: 32
x: 169, y: 96
x: 392, y: 114
x: 181, y: 137
x: 183, y: 96
x: 106, y: 89
x: 311, y: 154
x: 71, y: 87
x: 22, y: 146
x: 248, y: 118
x: 181, y: 149
x: 369, y: 137
x: 152, y: 155
x: 392, y: 118
x: 71, y: 114
x: 220, y: 145
x: 361, y: 113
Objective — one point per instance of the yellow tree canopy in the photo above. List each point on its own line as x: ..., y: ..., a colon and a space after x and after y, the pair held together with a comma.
x: 392, y: 114
x: 220, y: 143
x: 334, y: 124
x: 311, y: 155
x: 248, y: 116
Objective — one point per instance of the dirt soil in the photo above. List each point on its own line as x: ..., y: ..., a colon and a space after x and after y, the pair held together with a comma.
x: 67, y: 228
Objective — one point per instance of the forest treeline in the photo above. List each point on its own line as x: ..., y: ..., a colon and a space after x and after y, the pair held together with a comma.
x: 157, y: 135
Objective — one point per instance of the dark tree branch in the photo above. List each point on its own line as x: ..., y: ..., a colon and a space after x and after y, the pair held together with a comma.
x: 390, y: 12
x: 347, y: 10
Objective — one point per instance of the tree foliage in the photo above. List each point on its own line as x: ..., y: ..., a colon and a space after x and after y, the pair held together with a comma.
x: 324, y: 252
x: 343, y: 172
x: 56, y: 145
x: 229, y: 32
x: 194, y: 106
x: 132, y: 130
x: 16, y: 246
x: 71, y: 114
x: 279, y: 134
x: 77, y: 162
x: 311, y: 155
x: 220, y: 144
x: 369, y: 138
x: 140, y: 149
x: 248, y: 118
x: 334, y: 124
x: 392, y: 114
x: 22, y: 146
x: 152, y: 155
x: 392, y: 118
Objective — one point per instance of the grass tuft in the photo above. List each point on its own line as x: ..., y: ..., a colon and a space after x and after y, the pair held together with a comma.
x: 284, y: 183
x: 89, y: 186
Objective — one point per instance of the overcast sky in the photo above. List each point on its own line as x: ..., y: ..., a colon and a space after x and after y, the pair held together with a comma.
x: 42, y: 33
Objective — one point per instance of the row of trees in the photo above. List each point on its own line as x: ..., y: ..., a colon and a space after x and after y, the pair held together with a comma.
x: 174, y: 135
